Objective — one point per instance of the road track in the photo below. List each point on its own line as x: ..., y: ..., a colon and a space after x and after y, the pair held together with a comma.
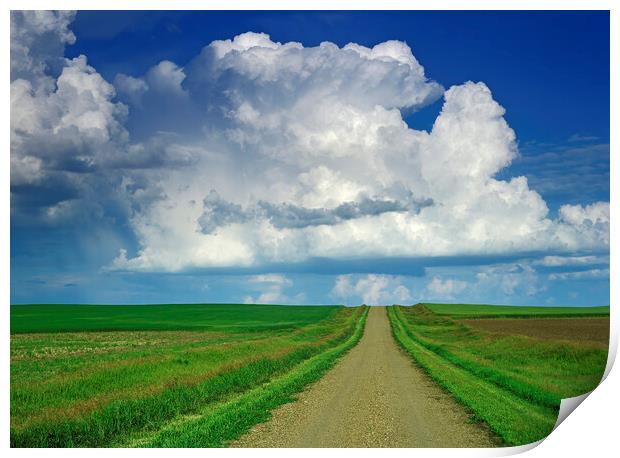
x: 374, y: 397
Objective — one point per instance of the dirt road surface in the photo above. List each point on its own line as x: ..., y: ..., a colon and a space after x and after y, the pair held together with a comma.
x: 373, y: 397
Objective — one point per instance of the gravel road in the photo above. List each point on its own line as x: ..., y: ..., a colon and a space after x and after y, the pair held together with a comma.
x: 373, y: 397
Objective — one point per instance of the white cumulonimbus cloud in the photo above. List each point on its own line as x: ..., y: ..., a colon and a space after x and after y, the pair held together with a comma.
x: 259, y: 152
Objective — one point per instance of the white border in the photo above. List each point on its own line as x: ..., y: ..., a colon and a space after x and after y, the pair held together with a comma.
x: 590, y: 430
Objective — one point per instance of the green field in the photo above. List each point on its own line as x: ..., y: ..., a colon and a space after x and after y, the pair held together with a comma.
x: 201, y: 375
x: 492, y: 311
x: 162, y: 317
x: 174, y: 375
x: 512, y: 382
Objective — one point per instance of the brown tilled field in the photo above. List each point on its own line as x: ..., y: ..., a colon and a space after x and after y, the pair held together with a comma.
x: 583, y: 329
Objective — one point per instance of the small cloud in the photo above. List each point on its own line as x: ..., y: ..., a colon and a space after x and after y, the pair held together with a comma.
x: 518, y: 278
x: 271, y: 278
x: 557, y: 261
x: 578, y: 138
x: 372, y: 289
x: 592, y: 274
x: 588, y: 215
x: 271, y: 290
x: 445, y: 289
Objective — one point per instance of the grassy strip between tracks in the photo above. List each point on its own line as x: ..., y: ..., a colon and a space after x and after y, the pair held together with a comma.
x: 227, y: 421
x: 514, y: 419
x: 164, y: 396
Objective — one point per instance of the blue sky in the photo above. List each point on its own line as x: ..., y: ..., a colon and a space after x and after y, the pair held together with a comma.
x: 164, y: 166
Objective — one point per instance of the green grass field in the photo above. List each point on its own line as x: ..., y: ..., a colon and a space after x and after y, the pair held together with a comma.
x: 511, y: 311
x: 141, y: 371
x: 162, y: 317
x: 202, y: 375
x: 512, y: 382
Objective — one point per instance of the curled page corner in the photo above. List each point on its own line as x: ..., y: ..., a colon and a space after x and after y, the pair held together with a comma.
x: 567, y: 406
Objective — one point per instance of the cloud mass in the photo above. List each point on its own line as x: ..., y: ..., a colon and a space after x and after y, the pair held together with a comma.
x: 258, y: 152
